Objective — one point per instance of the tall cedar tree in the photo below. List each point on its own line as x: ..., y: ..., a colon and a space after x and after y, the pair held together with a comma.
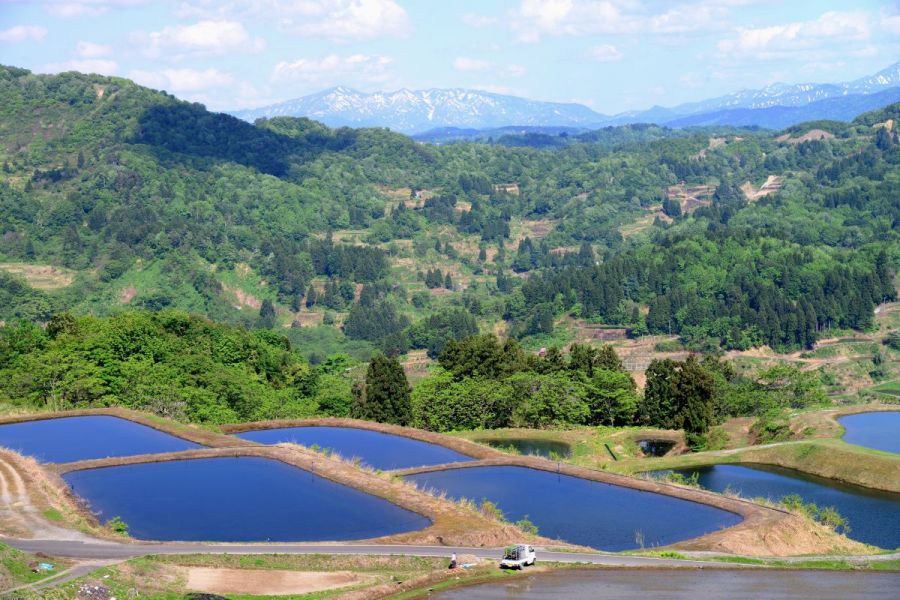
x: 267, y: 315
x: 387, y: 393
x: 657, y: 407
x: 695, y: 390
x: 679, y: 395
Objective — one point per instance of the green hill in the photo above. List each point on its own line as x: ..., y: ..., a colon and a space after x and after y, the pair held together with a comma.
x: 363, y: 238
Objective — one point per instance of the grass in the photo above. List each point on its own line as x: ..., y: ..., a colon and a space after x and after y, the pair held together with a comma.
x: 587, y: 444
x: 15, y: 567
x: 812, y: 563
x: 828, y: 458
x: 891, y: 388
x: 52, y: 514
x: 158, y: 577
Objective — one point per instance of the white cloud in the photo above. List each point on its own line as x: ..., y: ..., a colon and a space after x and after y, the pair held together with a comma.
x: 605, y: 53
x: 89, y: 65
x: 204, y: 37
x: 92, y: 50
x: 248, y: 95
x: 334, y: 68
x: 339, y: 20
x: 462, y: 63
x: 514, y: 71
x: 890, y: 21
x: 536, y: 18
x: 86, y: 8
x: 477, y: 65
x: 687, y: 18
x: 478, y: 20
x: 182, y: 80
x: 498, y: 89
x: 820, y: 35
x: 20, y: 33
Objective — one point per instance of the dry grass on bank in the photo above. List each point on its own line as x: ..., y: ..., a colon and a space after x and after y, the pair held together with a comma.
x: 452, y: 524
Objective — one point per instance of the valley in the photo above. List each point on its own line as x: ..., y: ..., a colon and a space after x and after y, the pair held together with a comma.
x: 282, y: 358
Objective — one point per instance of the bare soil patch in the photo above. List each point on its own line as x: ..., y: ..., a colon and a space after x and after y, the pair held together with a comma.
x: 691, y: 197
x: 772, y: 184
x: 536, y: 228
x: 242, y: 298
x: 811, y: 135
x: 644, y: 222
x: 308, y: 318
x: 41, y: 277
x: 714, y: 142
x: 127, y: 294
x: 267, y: 582
x: 416, y: 364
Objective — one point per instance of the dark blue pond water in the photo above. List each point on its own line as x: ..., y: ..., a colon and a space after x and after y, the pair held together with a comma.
x: 527, y: 446
x: 874, y: 516
x: 241, y: 499
x: 378, y: 450
x: 579, y: 511
x: 879, y: 430
x: 79, y: 438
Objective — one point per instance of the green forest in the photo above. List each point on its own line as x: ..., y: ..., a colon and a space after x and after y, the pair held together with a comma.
x: 216, y: 270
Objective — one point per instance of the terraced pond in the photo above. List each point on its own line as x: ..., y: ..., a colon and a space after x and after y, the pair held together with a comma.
x: 579, y: 511
x: 683, y: 584
x: 878, y: 430
x: 69, y: 439
x: 530, y: 446
x: 874, y: 516
x: 656, y: 447
x: 244, y: 499
x: 378, y: 450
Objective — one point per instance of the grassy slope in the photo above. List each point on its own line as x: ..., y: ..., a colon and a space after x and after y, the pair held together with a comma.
x: 162, y: 577
x: 15, y: 567
x: 831, y: 459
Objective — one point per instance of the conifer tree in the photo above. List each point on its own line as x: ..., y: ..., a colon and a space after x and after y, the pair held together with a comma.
x: 266, y: 315
x: 386, y: 395
x: 311, y: 296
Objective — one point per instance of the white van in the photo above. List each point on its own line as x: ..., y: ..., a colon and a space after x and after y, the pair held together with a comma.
x: 518, y: 556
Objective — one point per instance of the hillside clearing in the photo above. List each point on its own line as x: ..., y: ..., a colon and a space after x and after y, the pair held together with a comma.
x: 41, y: 277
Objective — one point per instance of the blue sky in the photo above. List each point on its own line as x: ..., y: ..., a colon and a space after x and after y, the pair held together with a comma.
x: 612, y: 55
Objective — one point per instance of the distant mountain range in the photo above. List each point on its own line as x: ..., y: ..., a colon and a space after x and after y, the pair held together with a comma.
x: 411, y: 111
x: 416, y: 111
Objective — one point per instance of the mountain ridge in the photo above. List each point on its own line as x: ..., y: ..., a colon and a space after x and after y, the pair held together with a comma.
x: 412, y: 111
x: 418, y: 111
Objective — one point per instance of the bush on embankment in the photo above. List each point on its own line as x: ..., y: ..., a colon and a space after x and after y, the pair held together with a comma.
x: 169, y: 363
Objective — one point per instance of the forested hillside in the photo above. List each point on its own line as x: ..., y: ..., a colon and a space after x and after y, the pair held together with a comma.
x: 362, y: 239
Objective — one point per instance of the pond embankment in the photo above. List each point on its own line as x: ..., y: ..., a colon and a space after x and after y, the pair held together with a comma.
x: 192, y: 433
x: 460, y: 445
x: 764, y: 531
x: 451, y: 523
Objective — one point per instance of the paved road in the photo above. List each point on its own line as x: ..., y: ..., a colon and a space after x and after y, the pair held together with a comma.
x: 105, y: 550
x: 112, y: 550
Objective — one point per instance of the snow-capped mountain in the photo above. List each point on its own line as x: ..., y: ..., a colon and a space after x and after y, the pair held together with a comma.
x: 417, y: 111
x: 412, y: 111
x: 800, y: 94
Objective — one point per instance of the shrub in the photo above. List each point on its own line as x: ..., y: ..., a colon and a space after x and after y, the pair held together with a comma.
x: 771, y: 426
x: 118, y: 525
x: 527, y: 526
